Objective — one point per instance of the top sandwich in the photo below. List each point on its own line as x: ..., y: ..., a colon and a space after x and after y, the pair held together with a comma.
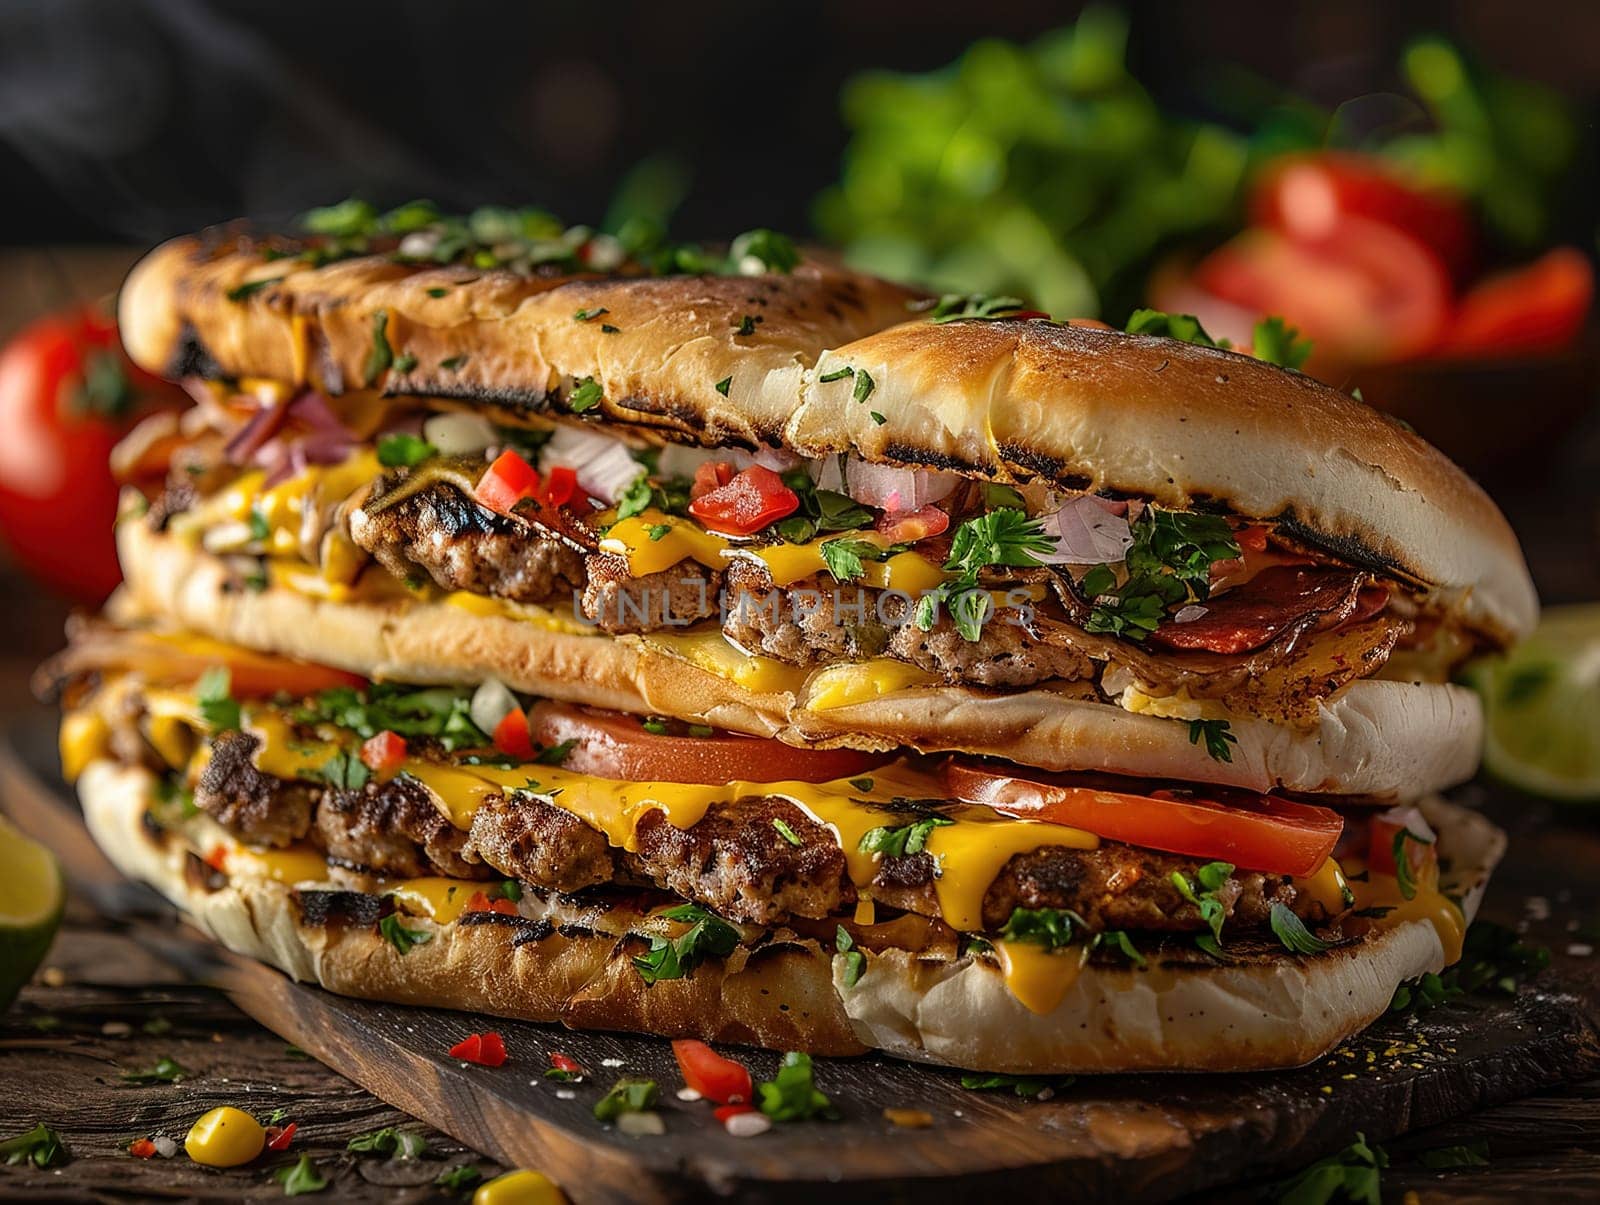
x: 788, y: 499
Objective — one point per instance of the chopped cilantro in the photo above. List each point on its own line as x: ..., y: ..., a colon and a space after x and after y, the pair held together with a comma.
x: 838, y: 374
x: 792, y: 1094
x: 1029, y: 1087
x: 458, y: 1179
x: 391, y: 1141
x: 1292, y: 932
x: 166, y: 1071
x: 1404, y: 876
x: 345, y: 771
x: 251, y: 287
x: 1184, y: 327
x: 1118, y: 942
x: 381, y: 357
x: 766, y: 250
x: 723, y: 386
x: 1051, y: 928
x: 1353, y: 1174
x: 218, y: 707
x: 627, y: 1096
x: 1202, y: 893
x: 954, y: 307
x: 674, y: 957
x: 864, y: 385
x: 400, y: 937
x: 300, y: 1178
x: 554, y: 755
x: 855, y: 962
x: 402, y: 449
x: 897, y: 841
x: 40, y: 1146
x: 784, y: 831
x: 1217, y: 736
x: 453, y: 363
x: 1276, y: 342
x: 587, y: 315
x: 585, y: 395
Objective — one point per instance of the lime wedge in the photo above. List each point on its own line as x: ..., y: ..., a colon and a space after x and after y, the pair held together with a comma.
x: 1542, y: 708
x: 32, y: 896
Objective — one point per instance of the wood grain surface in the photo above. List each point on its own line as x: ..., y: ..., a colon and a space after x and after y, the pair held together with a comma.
x: 1151, y: 1137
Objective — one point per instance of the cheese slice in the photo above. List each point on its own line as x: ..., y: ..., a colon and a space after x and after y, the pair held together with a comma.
x: 1037, y: 977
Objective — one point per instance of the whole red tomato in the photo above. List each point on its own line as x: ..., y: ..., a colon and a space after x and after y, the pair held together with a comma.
x: 67, y: 393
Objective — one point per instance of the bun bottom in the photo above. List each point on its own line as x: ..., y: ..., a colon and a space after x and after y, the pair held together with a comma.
x: 1385, y: 740
x: 1262, y: 1011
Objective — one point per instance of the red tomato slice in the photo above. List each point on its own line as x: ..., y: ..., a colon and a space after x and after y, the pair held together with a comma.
x: 279, y: 1139
x: 507, y: 482
x: 1534, y: 310
x: 611, y: 745
x: 1365, y: 292
x: 750, y: 501
x: 561, y: 485
x: 468, y: 1048
x: 494, y: 1050
x: 482, y: 903
x: 383, y: 753
x: 511, y: 735
x: 714, y: 1077
x: 1305, y: 196
x: 1254, y: 832
x: 908, y: 527
x: 710, y: 475
x: 565, y: 1062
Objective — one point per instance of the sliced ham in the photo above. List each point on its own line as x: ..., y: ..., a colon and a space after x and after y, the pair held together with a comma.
x: 1269, y: 604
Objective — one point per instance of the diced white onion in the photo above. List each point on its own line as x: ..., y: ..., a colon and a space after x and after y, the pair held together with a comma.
x: 604, y: 465
x: 689, y: 1094
x: 1411, y: 819
x: 887, y: 487
x: 747, y: 1125
x: 641, y: 1123
x: 458, y: 434
x: 165, y: 1147
x: 779, y: 460
x: 1086, y: 532
x: 491, y: 703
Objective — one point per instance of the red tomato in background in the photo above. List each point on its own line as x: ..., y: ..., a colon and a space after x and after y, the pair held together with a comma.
x: 1365, y: 292
x: 67, y: 394
x: 1534, y: 310
x: 1306, y: 196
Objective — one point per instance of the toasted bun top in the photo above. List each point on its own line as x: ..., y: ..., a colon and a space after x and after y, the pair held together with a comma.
x: 1180, y: 425
x: 659, y: 350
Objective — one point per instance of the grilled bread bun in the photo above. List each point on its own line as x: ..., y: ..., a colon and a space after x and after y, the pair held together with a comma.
x: 1010, y: 400
x: 1263, y: 1009
x: 1384, y: 739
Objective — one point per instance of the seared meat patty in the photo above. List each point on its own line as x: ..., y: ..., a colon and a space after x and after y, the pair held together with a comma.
x: 464, y: 546
x: 393, y: 829
x: 255, y: 807
x: 615, y: 601
x: 526, y: 838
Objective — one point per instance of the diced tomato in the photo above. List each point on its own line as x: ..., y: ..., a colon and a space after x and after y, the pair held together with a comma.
x: 278, y: 1138
x: 745, y: 505
x: 1305, y: 196
x: 908, y: 527
x: 1537, y: 309
x: 711, y: 1075
x: 723, y: 1112
x: 560, y: 485
x: 511, y: 735
x: 141, y: 1148
x: 1251, y: 539
x: 482, y: 903
x: 485, y: 1049
x: 507, y: 482
x: 565, y: 1062
x: 384, y: 753
x: 1253, y: 831
x: 1383, y: 830
x: 217, y: 859
x: 610, y: 745
x: 710, y: 475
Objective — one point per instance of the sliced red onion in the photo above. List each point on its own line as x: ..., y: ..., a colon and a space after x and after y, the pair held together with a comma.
x: 458, y: 434
x: 262, y: 426
x: 891, y: 488
x: 779, y: 460
x: 311, y: 408
x: 604, y: 466
x: 491, y: 703
x: 1086, y: 531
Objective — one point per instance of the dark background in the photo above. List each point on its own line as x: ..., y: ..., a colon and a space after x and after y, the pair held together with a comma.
x: 129, y: 120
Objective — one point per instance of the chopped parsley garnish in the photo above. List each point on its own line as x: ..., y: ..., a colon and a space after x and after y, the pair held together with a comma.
x: 1493, y: 958
x: 627, y: 1096
x: 897, y: 841
x: 40, y: 1146
x: 1276, y: 342
x: 1292, y: 932
x: 459, y: 1178
x: 252, y: 287
x: 1168, y: 563
x: 511, y: 890
x: 396, y: 1143
x: 792, y: 1095
x: 996, y: 496
x: 260, y: 529
x: 166, y: 1071
x: 838, y: 374
x: 607, y: 329
x: 877, y: 418
x: 218, y: 708
x: 766, y: 249
x: 954, y: 307
x: 453, y: 363
x: 1118, y: 942
x: 855, y: 962
x: 707, y: 936
x: 588, y: 315
x: 844, y: 557
x: 345, y: 771
x: 656, y: 531
x: 723, y: 386
x: 746, y: 326
x: 347, y: 219
x: 1404, y: 876
x: 405, y: 362
x: 1202, y: 893
x: 861, y: 784
x: 1353, y: 1174
x: 555, y: 754
x: 1184, y: 327
x: 440, y: 713
x: 437, y: 291
x: 1051, y: 928
x: 585, y: 395
x: 784, y: 831
x: 819, y: 510
x: 404, y: 450
x: 1217, y: 736
x: 300, y: 1178
x: 400, y: 937
x: 1029, y: 1087
x: 381, y: 357
x: 864, y: 385
x: 1001, y: 537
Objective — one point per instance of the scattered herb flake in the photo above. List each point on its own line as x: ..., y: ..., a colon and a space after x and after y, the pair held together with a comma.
x: 404, y: 450
x: 381, y: 358
x: 784, y: 831
x: 724, y: 385
x: 627, y: 1096
x: 400, y: 937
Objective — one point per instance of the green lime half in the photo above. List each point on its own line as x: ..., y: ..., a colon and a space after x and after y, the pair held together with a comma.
x: 1542, y: 708
x: 32, y: 896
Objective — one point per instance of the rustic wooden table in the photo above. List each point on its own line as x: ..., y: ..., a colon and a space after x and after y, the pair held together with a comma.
x: 103, y: 1004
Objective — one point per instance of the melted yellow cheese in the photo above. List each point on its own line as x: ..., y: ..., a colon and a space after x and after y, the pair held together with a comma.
x: 85, y: 737
x: 858, y: 682
x: 1327, y: 886
x: 224, y: 520
x: 1179, y: 706
x: 683, y: 540
x: 557, y: 618
x: 292, y: 865
x: 972, y: 852
x: 866, y: 911
x: 1428, y: 904
x: 1037, y: 977
x: 906, y: 571
x: 440, y: 900
x: 712, y: 652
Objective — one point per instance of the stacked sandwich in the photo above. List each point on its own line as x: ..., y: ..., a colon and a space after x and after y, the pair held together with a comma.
x: 720, y: 643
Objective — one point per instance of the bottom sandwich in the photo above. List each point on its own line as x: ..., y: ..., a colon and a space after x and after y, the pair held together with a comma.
x: 483, y: 851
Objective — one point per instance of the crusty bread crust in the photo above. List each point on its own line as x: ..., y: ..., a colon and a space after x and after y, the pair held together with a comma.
x: 673, y: 338
x: 1267, y: 1011
x: 1178, y: 424
x: 1388, y: 740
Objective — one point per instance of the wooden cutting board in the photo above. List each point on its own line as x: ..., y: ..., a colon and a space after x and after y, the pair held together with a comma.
x: 1129, y: 1137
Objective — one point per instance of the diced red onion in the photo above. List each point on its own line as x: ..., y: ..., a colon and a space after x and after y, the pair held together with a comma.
x: 458, y: 434
x: 603, y: 463
x: 262, y: 426
x: 1087, y: 531
x: 491, y: 703
x: 779, y: 460
x: 888, y: 487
